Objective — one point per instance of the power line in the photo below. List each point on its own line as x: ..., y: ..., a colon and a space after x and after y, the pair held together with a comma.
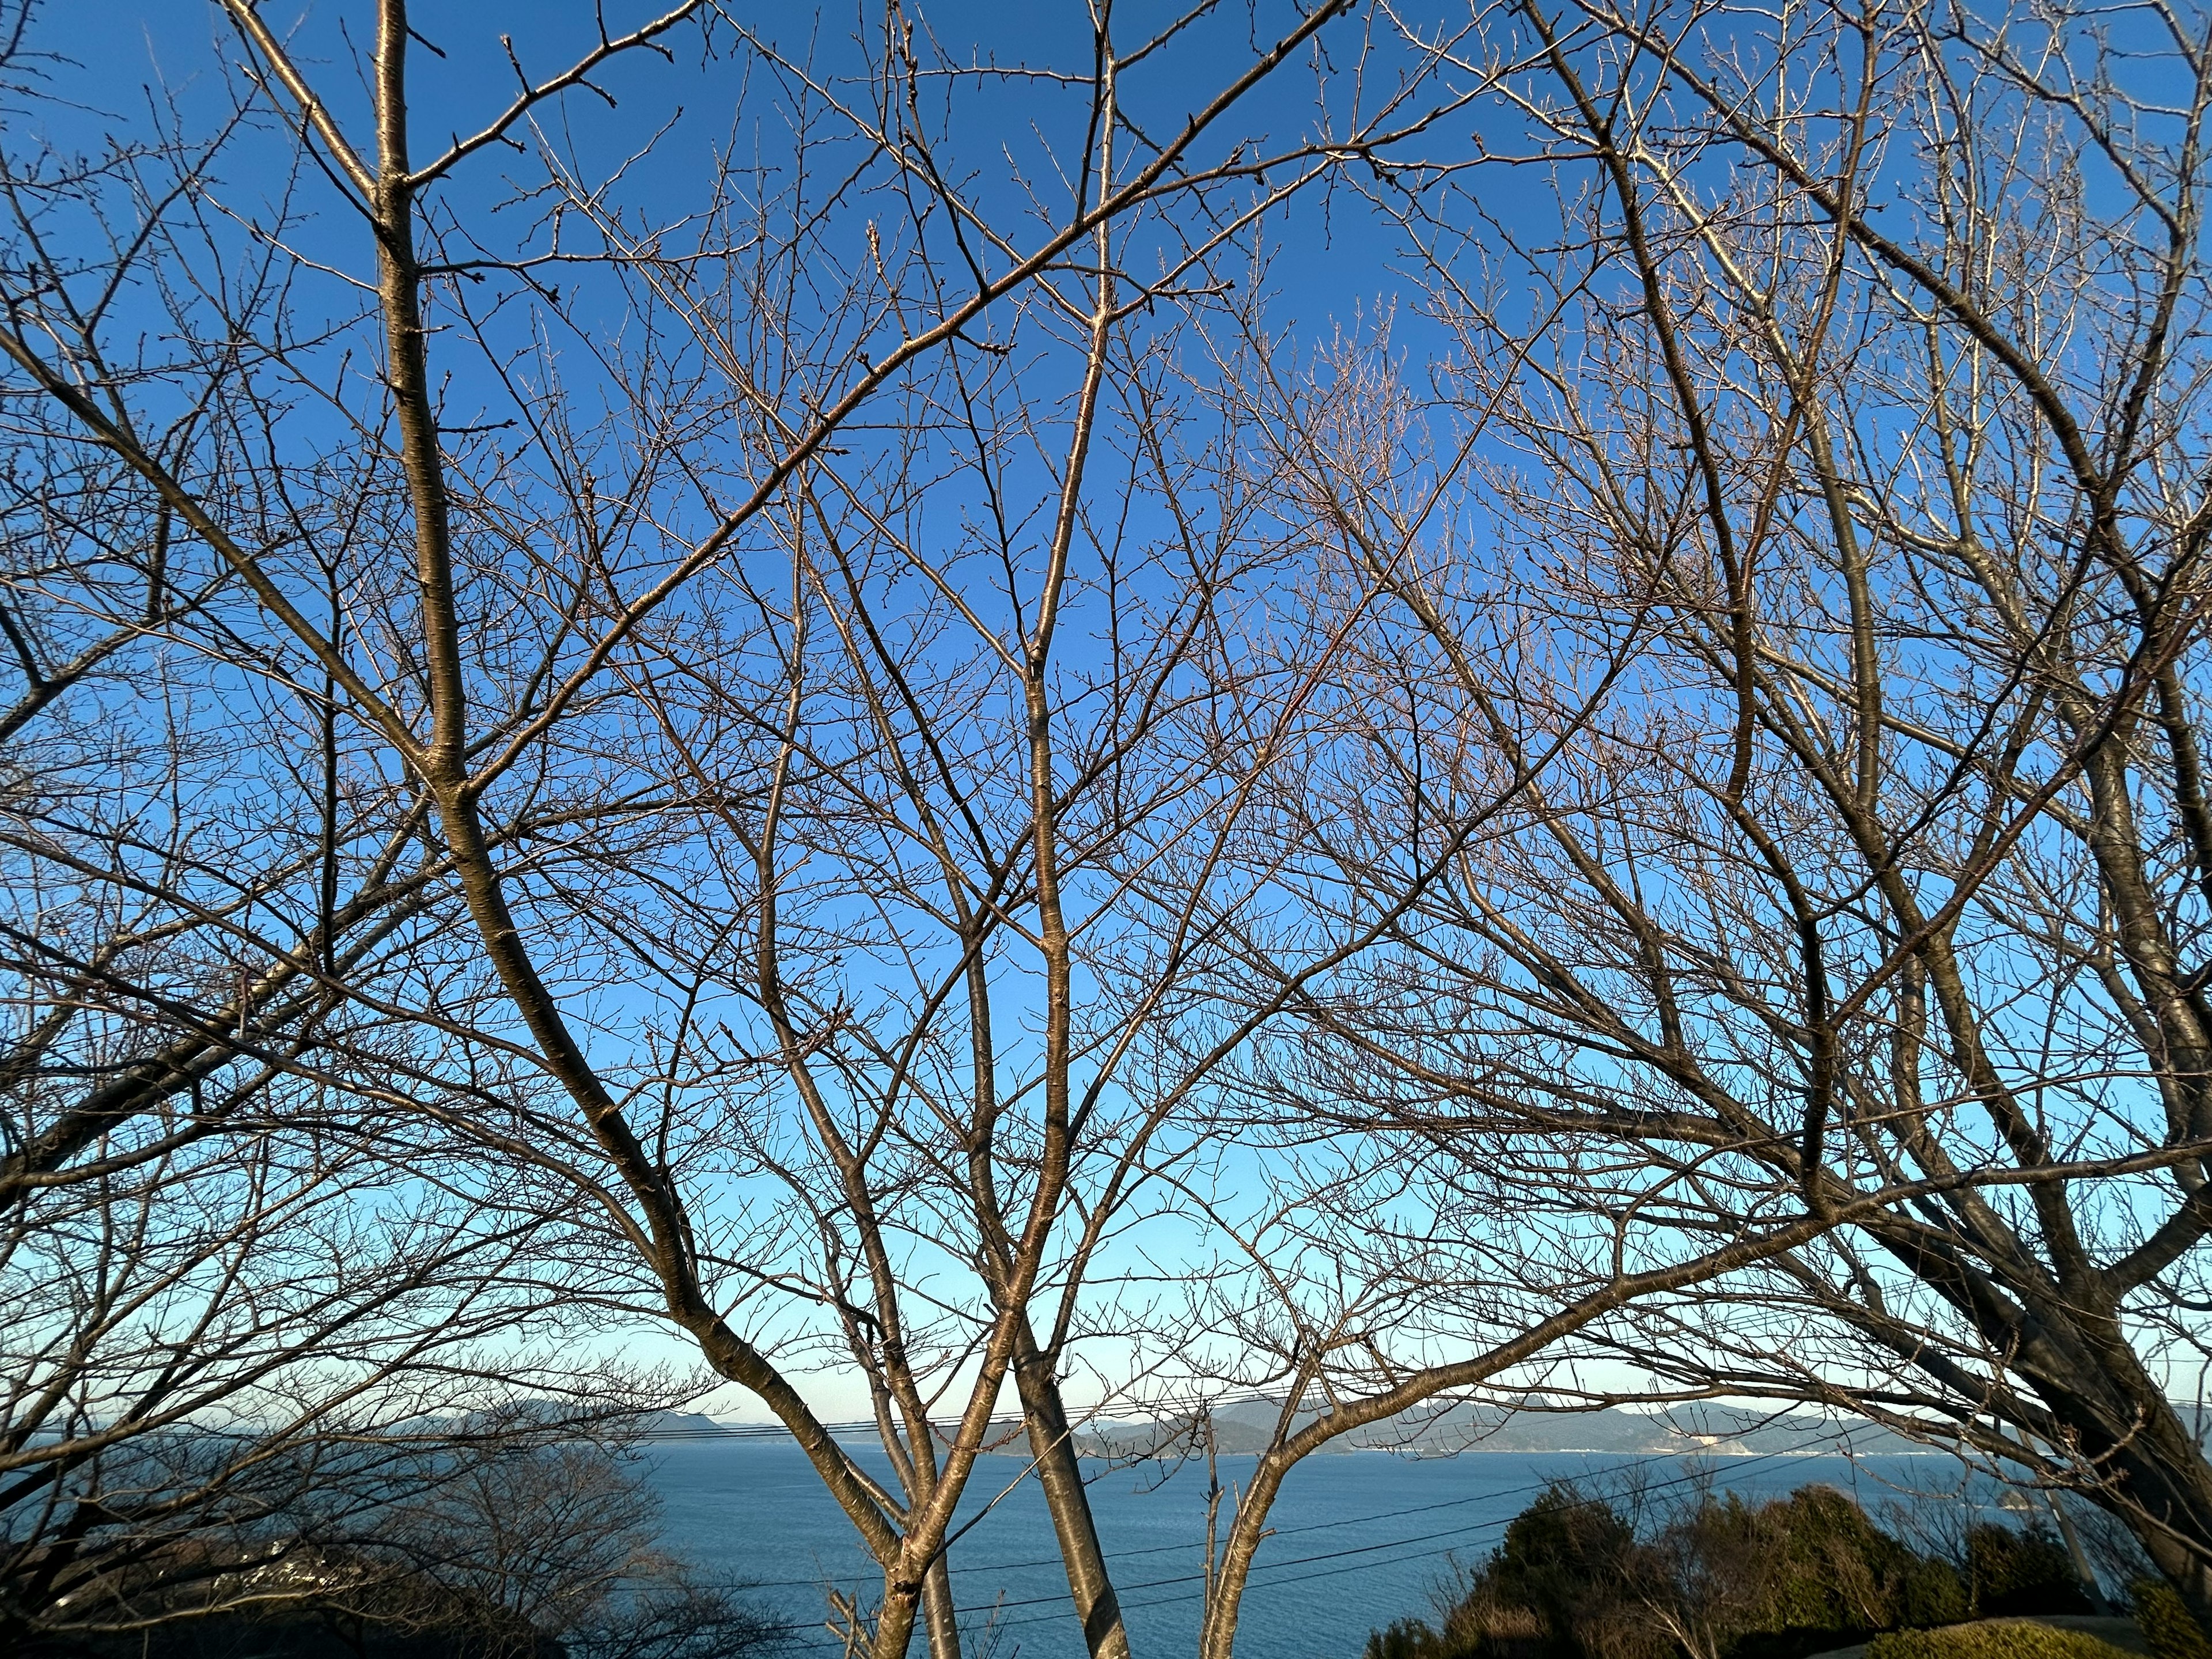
x: 1350, y: 1554
x: 1365, y: 1549
x: 1362, y: 1566
x: 1489, y: 1496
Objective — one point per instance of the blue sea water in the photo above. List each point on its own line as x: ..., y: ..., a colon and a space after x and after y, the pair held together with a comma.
x: 1359, y: 1539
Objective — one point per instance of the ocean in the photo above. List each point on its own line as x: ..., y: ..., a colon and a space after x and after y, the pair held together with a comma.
x: 1360, y: 1538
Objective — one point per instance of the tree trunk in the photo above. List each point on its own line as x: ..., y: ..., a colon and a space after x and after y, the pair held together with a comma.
x: 895, y: 1623
x: 1059, y: 1472
x: 937, y: 1611
x: 1217, y: 1635
x: 2164, y: 1486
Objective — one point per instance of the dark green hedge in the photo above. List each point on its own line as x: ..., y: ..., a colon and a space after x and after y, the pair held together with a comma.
x: 2001, y: 1640
x: 1573, y: 1578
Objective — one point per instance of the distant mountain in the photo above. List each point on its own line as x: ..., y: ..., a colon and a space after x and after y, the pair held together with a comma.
x: 560, y: 1415
x: 679, y: 1426
x: 1247, y: 1426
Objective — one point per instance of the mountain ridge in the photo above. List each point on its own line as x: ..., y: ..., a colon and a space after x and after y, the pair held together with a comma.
x: 1247, y: 1426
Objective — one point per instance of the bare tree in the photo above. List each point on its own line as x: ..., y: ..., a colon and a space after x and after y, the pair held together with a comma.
x: 578, y: 730
x: 514, y: 1546
x: 224, y: 1361
x: 1839, y: 408
x: 221, y: 1284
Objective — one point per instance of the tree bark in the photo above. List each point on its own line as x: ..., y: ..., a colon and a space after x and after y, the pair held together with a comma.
x: 1059, y: 1472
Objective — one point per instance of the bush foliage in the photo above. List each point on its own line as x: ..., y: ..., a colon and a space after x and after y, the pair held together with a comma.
x: 1574, y: 1578
x: 2167, y: 1625
x: 1992, y: 1641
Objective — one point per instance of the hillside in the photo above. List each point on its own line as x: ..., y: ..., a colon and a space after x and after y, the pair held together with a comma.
x: 1245, y: 1425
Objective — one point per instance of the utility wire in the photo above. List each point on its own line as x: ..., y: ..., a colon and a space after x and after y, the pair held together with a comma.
x: 1322, y: 1525
x: 1346, y: 1555
x: 1370, y: 1549
x: 1399, y: 1548
x: 1332, y: 1572
x: 1319, y: 1525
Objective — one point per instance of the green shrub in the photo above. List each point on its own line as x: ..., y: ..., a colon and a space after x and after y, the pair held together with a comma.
x: 1558, y: 1548
x: 2011, y: 1573
x: 1484, y: 1624
x: 1932, y: 1593
x: 1837, y: 1570
x: 2005, y: 1640
x: 1573, y: 1579
x: 1408, y: 1638
x: 2167, y: 1625
x: 1570, y: 1571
